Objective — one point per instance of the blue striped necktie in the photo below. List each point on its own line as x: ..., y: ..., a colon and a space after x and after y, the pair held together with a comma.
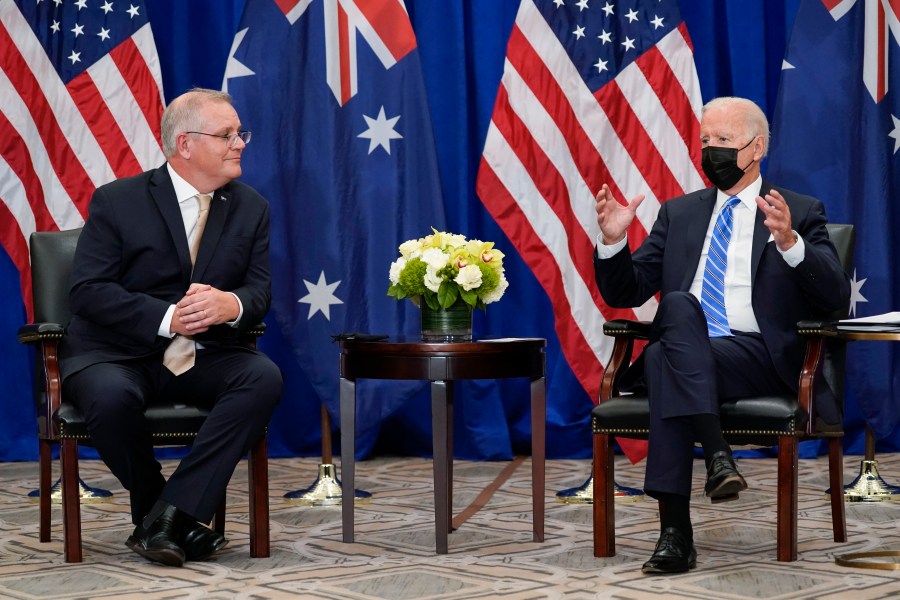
x: 712, y: 296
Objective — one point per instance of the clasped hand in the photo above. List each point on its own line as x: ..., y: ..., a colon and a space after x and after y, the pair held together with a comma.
x: 202, y: 307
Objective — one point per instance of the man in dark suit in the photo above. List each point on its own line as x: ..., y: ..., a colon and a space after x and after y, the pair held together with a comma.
x: 154, y: 281
x: 736, y: 266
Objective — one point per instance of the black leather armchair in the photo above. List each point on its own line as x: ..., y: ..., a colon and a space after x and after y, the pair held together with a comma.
x: 60, y: 422
x: 781, y: 421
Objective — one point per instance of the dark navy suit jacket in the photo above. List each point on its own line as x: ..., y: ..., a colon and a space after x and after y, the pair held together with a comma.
x: 133, y: 261
x: 781, y: 296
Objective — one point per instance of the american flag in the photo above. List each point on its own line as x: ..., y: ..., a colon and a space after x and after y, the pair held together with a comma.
x: 591, y: 93
x: 80, y: 105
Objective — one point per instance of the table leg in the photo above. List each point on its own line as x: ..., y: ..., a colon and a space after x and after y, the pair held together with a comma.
x: 348, y: 451
x: 538, y: 443
x: 441, y: 391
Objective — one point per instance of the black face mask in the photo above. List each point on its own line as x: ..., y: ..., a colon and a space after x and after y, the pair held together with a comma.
x: 720, y: 165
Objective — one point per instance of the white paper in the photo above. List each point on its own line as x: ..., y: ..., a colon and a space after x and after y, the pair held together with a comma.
x: 891, y: 318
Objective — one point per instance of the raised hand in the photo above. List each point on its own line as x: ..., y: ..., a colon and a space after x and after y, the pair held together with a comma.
x: 612, y: 217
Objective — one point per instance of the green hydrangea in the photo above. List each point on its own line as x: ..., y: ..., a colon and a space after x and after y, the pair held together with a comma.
x: 412, y: 278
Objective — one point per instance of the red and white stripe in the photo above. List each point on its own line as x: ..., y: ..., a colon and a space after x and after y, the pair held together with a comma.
x: 59, y: 142
x: 551, y: 144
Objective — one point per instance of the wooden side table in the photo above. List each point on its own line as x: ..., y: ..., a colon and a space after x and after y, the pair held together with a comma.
x: 443, y: 364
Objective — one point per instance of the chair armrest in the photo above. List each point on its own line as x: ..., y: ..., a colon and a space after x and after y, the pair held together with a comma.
x: 820, y: 336
x: 625, y: 333
x: 250, y: 336
x: 33, y: 333
x: 638, y: 330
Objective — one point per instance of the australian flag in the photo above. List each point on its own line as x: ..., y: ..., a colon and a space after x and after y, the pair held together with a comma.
x: 343, y: 149
x: 836, y: 135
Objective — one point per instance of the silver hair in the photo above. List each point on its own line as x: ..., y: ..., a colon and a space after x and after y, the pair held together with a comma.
x: 755, y: 121
x: 183, y: 114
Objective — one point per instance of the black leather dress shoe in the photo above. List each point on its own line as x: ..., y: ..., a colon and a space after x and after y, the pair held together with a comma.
x: 159, y: 541
x: 674, y: 553
x: 723, y: 482
x: 198, y: 541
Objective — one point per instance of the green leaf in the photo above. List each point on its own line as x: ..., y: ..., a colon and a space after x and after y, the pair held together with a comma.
x: 432, y: 301
x: 470, y: 297
x: 447, y: 294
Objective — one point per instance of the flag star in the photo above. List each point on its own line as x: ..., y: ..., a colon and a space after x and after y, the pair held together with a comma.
x: 559, y: 3
x: 631, y: 15
x: 78, y: 30
x: 132, y: 10
x: 57, y: 2
x: 657, y: 22
x: 601, y: 65
x: 235, y: 68
x: 320, y: 297
x: 628, y: 43
x: 104, y: 34
x: 75, y: 57
x: 582, y: 4
x: 895, y: 133
x: 380, y: 131
x: 55, y: 26
x: 579, y: 32
x: 785, y: 65
x: 608, y: 9
x: 855, y: 295
x: 605, y: 37
x: 81, y: 4
x: 107, y: 7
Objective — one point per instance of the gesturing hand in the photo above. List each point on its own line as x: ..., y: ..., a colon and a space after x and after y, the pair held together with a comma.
x: 612, y: 217
x: 778, y: 219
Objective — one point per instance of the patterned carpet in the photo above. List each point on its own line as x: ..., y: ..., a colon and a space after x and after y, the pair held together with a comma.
x: 492, y: 554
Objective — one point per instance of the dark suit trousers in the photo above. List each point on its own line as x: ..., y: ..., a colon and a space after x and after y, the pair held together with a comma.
x: 688, y: 374
x: 241, y: 387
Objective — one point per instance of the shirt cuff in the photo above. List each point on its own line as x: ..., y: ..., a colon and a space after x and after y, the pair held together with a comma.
x: 240, y: 312
x: 166, y: 324
x: 796, y: 253
x: 604, y: 251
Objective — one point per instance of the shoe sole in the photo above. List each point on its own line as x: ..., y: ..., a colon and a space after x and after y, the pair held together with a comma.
x: 169, y: 558
x: 662, y: 571
x: 727, y: 489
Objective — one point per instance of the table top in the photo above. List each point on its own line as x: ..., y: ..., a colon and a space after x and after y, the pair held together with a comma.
x: 407, y: 357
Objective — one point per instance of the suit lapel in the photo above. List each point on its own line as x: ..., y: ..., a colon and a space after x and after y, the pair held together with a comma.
x: 215, y: 224
x: 761, y: 235
x: 163, y: 194
x: 696, y: 235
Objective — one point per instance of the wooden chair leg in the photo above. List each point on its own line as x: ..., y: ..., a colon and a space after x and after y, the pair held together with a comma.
x: 786, y: 520
x: 258, y: 467
x: 603, y: 501
x: 71, y: 500
x: 45, y: 464
x: 836, y: 482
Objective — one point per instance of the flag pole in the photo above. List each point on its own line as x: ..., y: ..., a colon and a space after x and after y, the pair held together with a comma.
x: 326, y: 489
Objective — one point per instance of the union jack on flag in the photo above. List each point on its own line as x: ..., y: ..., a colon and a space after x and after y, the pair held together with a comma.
x: 80, y: 105
x: 591, y: 93
x: 879, y: 22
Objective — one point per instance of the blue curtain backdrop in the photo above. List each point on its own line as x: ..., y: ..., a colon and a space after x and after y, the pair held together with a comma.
x: 739, y: 47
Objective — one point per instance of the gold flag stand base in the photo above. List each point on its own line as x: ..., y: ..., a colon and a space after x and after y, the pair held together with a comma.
x: 325, y: 491
x: 584, y: 493
x: 869, y: 486
x: 88, y: 494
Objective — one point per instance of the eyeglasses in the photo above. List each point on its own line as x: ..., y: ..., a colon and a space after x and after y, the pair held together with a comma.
x: 230, y: 138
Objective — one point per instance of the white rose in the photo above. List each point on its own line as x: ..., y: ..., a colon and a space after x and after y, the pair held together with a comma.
x: 497, y: 292
x: 435, y: 258
x: 396, y: 267
x: 410, y: 249
x: 469, y: 277
x: 432, y: 279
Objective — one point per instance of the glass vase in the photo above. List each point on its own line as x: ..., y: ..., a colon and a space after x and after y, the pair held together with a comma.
x: 452, y: 324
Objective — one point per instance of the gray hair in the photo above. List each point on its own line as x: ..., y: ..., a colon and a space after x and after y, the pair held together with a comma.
x: 755, y: 121
x: 183, y: 114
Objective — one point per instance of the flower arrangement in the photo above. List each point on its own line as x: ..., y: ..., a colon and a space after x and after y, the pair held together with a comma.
x: 444, y: 267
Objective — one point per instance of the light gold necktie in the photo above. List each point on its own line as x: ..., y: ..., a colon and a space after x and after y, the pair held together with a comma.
x: 180, y: 353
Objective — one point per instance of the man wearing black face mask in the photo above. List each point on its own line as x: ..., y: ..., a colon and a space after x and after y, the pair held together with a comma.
x: 736, y: 266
